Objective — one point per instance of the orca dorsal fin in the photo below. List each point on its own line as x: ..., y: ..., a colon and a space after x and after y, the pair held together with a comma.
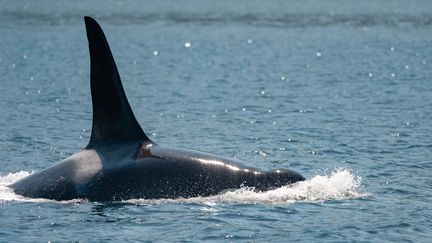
x: 113, y: 118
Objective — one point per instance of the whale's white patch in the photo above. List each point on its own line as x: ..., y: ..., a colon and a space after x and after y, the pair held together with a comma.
x: 86, y: 164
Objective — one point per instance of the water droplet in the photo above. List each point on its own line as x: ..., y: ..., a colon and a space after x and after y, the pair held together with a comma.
x: 318, y: 54
x: 269, y: 110
x: 25, y: 56
x: 243, y: 109
x: 32, y: 78
x: 154, y: 134
x: 39, y: 91
x: 407, y: 123
x: 249, y: 41
x: 27, y: 93
x: 407, y: 67
x: 313, y: 152
x: 393, y: 75
x: 13, y: 65
x: 262, y: 92
x: 188, y: 44
x: 392, y: 48
x: 283, y: 78
x: 274, y: 123
x: 57, y: 100
x: 214, y: 116
x: 396, y: 135
x: 370, y: 75
x: 155, y: 53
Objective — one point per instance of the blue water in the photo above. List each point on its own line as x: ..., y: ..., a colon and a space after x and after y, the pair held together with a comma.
x: 339, y: 91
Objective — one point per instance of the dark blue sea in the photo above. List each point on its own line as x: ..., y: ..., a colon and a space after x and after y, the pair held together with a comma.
x: 338, y: 90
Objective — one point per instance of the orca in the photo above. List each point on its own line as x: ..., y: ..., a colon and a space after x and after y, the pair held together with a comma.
x: 121, y: 162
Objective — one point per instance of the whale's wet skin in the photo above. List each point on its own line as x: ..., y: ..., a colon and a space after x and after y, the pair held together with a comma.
x: 121, y: 162
x: 339, y: 91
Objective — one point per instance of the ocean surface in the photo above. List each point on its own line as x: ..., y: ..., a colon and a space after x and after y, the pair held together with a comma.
x: 339, y: 91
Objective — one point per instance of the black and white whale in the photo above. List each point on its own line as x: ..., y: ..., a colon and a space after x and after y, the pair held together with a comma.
x: 121, y: 162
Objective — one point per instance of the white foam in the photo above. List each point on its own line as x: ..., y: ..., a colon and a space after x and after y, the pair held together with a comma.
x: 338, y: 185
x: 7, y: 194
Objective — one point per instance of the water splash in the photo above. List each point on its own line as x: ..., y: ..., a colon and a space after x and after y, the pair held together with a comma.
x: 7, y: 194
x: 340, y: 184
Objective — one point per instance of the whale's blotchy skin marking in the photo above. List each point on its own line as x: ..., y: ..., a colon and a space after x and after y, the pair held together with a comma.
x: 121, y: 162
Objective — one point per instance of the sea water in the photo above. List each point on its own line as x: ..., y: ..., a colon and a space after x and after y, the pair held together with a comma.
x: 339, y: 91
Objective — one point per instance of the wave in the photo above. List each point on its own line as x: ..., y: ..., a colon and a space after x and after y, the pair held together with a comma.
x: 340, y: 184
x: 276, y: 20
